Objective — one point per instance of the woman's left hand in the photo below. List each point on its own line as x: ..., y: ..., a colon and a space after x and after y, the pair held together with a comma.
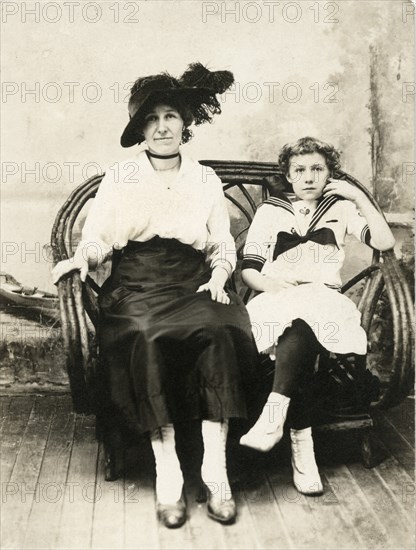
x: 217, y: 291
x: 342, y: 189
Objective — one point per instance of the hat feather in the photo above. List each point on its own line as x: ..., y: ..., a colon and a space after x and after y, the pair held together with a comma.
x: 197, y: 75
x: 196, y: 90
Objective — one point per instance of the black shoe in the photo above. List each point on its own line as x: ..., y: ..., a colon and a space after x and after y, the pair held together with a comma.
x: 172, y: 515
x: 221, y: 510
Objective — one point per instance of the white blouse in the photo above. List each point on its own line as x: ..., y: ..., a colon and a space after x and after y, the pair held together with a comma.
x: 134, y: 204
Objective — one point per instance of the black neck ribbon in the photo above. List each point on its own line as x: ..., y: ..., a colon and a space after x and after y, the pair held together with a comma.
x: 286, y: 241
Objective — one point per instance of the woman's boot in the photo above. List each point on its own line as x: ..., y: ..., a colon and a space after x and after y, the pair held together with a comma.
x: 220, y: 502
x: 171, y: 508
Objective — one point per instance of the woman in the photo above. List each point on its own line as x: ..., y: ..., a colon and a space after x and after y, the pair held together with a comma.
x: 172, y: 340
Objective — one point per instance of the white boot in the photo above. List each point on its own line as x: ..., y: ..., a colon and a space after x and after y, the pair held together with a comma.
x: 268, y: 430
x: 214, y: 464
x: 169, y: 478
x: 306, y: 476
x: 220, y: 503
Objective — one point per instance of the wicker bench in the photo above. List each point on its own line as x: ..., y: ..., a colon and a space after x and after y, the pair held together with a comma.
x: 246, y: 184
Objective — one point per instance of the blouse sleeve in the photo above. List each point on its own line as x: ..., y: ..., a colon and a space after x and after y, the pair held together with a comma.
x: 356, y: 223
x: 260, y: 238
x: 220, y: 247
x: 99, y: 231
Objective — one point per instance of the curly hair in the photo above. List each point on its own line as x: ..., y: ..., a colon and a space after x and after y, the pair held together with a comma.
x: 175, y: 102
x: 306, y: 146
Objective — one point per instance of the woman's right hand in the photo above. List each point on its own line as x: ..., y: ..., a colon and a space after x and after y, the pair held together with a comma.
x: 66, y: 266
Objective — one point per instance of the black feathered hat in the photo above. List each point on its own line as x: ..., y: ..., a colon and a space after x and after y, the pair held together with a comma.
x: 197, y: 88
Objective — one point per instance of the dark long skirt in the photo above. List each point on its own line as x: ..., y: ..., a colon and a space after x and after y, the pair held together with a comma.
x: 167, y: 353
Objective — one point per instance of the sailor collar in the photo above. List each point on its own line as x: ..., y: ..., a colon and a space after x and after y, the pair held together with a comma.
x: 280, y: 200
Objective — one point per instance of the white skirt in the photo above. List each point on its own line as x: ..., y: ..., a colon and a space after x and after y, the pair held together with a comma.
x: 332, y: 316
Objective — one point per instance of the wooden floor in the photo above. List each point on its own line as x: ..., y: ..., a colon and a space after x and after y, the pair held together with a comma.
x: 54, y: 494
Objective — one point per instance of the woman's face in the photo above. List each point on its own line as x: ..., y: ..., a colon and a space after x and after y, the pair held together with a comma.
x: 308, y: 175
x: 162, y: 129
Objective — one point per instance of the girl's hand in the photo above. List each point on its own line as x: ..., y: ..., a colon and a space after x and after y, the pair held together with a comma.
x: 66, y: 266
x: 342, y: 189
x: 276, y: 284
x: 217, y: 291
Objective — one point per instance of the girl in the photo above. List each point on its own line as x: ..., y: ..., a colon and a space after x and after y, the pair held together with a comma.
x: 293, y: 256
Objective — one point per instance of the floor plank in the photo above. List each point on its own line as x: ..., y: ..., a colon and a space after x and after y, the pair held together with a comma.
x: 384, y: 505
x: 262, y: 505
x: 25, y: 474
x: 15, y: 422
x: 204, y: 533
x: 5, y: 401
x: 354, y: 504
x: 140, y: 523
x: 399, y: 483
x: 402, y: 418
x: 75, y: 525
x: 298, y: 522
x: 396, y: 444
x: 52, y: 479
x: 108, y: 515
x: 54, y: 466
x: 241, y: 533
x: 327, y: 513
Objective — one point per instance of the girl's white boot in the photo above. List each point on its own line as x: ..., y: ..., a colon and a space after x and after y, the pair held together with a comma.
x: 306, y: 476
x: 268, y: 430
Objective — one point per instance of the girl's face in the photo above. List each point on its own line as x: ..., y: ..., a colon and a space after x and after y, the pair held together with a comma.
x: 162, y: 129
x: 308, y: 175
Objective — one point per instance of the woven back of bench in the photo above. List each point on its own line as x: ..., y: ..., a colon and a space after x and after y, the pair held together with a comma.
x: 246, y: 185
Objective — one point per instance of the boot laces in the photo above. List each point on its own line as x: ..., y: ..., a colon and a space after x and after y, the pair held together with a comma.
x: 303, y: 454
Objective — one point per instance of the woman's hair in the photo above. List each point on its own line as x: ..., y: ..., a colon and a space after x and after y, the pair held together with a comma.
x: 177, y: 104
x: 306, y: 146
